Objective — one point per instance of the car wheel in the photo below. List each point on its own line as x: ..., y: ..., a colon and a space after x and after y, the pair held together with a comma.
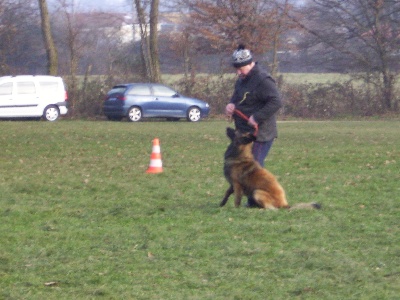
x: 51, y: 113
x: 135, y: 114
x: 193, y: 114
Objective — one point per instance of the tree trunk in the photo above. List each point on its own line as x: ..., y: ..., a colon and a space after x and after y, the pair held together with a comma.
x: 154, y: 57
x: 144, y: 43
x: 388, y: 84
x: 149, y: 41
x: 275, y: 62
x: 51, y: 50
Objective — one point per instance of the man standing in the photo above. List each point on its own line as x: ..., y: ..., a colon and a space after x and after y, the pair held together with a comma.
x: 257, y: 97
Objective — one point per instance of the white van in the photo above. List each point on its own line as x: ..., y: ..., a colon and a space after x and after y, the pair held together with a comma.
x: 32, y: 96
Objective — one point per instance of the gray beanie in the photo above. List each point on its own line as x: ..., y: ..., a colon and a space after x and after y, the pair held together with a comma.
x: 241, y: 57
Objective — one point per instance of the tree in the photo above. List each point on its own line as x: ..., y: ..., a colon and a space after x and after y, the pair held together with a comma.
x: 223, y: 24
x: 149, y: 39
x: 364, y: 33
x: 51, y: 50
x: 21, y: 47
x: 281, y: 25
x: 153, y: 47
x: 178, y: 51
x: 75, y: 37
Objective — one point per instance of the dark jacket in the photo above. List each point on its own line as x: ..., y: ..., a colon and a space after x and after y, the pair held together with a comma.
x: 257, y: 95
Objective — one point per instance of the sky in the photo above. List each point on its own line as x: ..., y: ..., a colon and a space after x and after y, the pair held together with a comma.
x: 109, y: 5
x: 104, y: 5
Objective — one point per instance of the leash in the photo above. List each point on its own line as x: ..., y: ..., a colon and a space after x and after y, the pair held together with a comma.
x: 244, y: 117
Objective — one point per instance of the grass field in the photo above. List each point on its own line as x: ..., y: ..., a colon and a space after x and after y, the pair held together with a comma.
x: 81, y: 219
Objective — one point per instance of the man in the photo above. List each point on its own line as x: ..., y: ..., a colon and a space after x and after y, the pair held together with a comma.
x: 257, y: 97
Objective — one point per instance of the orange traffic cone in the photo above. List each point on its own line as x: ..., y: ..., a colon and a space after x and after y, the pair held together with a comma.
x: 155, y: 159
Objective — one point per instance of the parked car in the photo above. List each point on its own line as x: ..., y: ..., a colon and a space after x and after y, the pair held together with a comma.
x: 145, y: 100
x: 32, y: 96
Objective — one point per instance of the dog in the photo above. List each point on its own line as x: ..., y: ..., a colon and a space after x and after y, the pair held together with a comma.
x: 246, y: 176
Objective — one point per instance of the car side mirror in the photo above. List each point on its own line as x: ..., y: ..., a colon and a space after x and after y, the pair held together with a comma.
x: 175, y: 95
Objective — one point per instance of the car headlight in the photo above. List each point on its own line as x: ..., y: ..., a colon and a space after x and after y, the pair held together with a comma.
x: 207, y: 105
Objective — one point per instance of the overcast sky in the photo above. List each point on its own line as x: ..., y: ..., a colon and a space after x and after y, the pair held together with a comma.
x: 109, y: 5
x: 105, y: 5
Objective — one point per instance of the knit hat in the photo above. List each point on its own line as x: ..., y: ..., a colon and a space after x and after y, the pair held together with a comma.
x: 241, y: 57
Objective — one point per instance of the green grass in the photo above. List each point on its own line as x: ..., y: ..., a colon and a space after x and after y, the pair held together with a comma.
x: 81, y: 219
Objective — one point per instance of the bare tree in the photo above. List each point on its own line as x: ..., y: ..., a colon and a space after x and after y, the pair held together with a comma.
x: 154, y: 55
x: 280, y: 26
x: 144, y: 36
x: 75, y: 38
x: 21, y: 46
x: 71, y: 44
x: 149, y: 38
x: 178, y: 51
x: 365, y: 33
x: 4, y: 36
x: 51, y: 49
x: 223, y: 24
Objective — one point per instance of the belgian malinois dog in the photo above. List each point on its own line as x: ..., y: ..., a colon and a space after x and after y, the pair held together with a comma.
x: 247, y: 177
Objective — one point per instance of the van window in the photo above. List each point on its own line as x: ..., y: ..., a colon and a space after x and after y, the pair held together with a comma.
x: 49, y: 86
x: 27, y: 87
x: 6, y: 88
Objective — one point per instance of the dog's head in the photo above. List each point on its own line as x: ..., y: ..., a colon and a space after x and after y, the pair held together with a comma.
x: 240, y: 138
x: 238, y: 143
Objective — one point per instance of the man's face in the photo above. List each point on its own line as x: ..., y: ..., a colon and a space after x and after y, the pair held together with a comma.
x: 243, y: 71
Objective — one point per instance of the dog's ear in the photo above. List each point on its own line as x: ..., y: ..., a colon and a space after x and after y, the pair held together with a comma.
x: 230, y: 132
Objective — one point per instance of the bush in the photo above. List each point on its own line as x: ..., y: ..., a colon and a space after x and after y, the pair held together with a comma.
x: 331, y: 100
x: 318, y: 101
x: 90, y: 100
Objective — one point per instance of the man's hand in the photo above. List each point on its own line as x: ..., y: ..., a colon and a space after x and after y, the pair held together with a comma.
x: 229, y: 109
x: 252, y: 122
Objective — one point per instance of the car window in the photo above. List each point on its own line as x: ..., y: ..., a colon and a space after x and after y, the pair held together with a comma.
x: 117, y: 90
x: 160, y: 90
x: 49, y: 86
x: 27, y: 87
x: 142, y: 90
x: 6, y: 88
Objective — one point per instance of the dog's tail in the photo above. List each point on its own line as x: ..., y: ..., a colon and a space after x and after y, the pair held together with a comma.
x: 312, y: 205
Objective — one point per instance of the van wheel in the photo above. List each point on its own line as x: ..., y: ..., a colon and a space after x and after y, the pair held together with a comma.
x: 51, y: 113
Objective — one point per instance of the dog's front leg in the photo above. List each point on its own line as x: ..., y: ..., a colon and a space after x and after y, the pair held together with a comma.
x: 228, y: 192
x: 237, y: 189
